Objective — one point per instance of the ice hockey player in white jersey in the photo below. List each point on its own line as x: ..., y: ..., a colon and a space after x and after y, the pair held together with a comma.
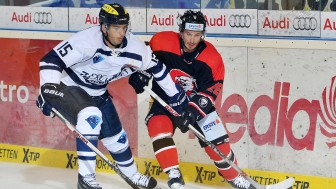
x: 73, y: 79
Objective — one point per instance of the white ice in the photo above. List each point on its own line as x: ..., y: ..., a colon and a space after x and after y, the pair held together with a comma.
x: 24, y: 176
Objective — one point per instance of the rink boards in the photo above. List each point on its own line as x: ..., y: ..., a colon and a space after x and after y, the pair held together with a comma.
x: 278, y: 106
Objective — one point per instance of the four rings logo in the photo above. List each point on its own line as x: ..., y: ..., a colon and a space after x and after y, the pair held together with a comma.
x: 240, y: 21
x: 42, y: 17
x: 305, y: 23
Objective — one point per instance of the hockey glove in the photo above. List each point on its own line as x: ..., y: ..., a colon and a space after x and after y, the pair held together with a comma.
x: 179, y: 100
x: 187, y: 117
x: 50, y: 97
x: 138, y: 81
x: 198, y: 107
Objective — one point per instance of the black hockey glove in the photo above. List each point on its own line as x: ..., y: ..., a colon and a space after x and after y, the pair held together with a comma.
x: 187, y: 117
x: 179, y: 100
x: 197, y: 108
x: 138, y: 81
x: 50, y: 97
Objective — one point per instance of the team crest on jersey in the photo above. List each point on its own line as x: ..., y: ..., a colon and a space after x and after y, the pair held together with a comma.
x: 203, y: 102
x: 93, y: 121
x: 187, y: 82
x: 97, y: 58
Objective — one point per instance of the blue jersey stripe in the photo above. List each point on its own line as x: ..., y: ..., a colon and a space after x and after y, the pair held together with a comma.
x: 51, y: 68
x: 123, y: 54
x: 131, y: 55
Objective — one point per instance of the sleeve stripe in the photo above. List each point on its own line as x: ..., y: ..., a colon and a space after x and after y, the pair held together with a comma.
x: 157, y: 68
x: 51, y: 68
x: 163, y: 76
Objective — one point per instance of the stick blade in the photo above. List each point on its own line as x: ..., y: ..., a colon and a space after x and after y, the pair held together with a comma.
x: 288, y: 183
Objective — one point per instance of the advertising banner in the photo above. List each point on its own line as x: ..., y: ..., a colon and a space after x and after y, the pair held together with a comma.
x: 218, y: 21
x: 82, y: 18
x: 251, y: 22
x: 163, y: 19
x: 22, y: 122
x: 281, y: 102
x: 232, y: 21
x: 328, y: 24
x: 289, y: 23
x: 34, y: 18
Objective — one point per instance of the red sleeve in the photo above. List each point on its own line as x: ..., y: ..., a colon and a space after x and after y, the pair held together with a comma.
x: 214, y: 83
x: 214, y: 60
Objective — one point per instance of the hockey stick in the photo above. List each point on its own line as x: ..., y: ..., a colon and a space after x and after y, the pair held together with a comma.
x: 92, y: 147
x: 281, y: 185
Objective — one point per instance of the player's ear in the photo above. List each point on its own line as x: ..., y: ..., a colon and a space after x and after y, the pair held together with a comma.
x: 104, y: 28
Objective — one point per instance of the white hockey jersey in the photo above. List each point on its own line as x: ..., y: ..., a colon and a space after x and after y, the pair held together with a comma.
x: 84, y: 60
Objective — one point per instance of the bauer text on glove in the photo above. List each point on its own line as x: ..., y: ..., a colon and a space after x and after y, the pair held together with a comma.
x: 50, y: 97
x: 179, y: 100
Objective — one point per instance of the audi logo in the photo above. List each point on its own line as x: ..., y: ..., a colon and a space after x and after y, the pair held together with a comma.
x: 305, y: 23
x: 240, y: 21
x: 42, y: 17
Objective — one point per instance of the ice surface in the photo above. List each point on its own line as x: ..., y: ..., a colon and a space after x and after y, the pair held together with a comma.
x: 24, y: 176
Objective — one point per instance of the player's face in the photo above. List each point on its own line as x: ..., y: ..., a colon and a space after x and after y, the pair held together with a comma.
x: 116, y: 33
x: 191, y: 39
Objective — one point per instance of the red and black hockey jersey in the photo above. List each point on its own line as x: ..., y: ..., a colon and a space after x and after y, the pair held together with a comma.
x: 203, y: 75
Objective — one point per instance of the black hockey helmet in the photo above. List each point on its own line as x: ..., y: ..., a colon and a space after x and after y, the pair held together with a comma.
x: 113, y: 14
x: 192, y: 20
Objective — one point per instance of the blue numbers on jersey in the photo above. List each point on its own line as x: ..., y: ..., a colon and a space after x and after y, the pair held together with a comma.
x: 63, y: 50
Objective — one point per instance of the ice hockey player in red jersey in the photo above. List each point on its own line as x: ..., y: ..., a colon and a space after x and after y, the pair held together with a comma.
x: 198, y: 68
